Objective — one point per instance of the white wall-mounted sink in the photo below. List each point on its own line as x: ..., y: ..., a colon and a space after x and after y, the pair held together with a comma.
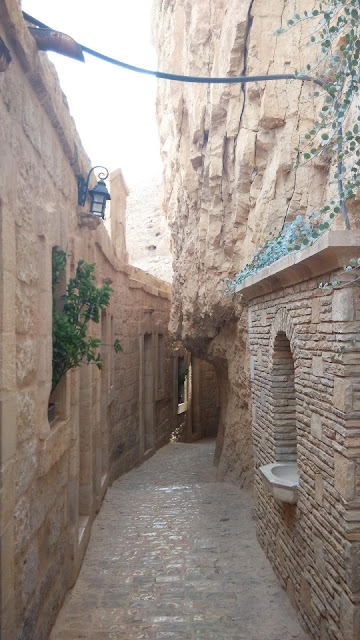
x: 282, y: 480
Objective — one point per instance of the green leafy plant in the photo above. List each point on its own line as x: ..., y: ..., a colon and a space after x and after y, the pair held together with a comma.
x: 83, y: 303
x: 335, y: 34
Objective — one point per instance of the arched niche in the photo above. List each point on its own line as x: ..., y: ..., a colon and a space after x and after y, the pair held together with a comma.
x: 283, y: 400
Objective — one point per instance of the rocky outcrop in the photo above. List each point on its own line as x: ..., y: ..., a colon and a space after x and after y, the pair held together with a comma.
x: 226, y: 151
x: 147, y: 233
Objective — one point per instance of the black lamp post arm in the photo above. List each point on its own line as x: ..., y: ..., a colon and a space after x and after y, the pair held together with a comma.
x: 84, y: 185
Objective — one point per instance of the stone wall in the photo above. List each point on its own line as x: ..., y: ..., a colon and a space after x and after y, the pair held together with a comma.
x: 205, y: 407
x: 54, y: 475
x: 305, y: 409
x: 226, y: 151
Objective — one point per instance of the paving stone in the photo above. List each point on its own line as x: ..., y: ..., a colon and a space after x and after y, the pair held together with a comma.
x: 173, y: 555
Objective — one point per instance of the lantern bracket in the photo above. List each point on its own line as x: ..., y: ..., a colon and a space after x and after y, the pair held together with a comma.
x: 84, y: 185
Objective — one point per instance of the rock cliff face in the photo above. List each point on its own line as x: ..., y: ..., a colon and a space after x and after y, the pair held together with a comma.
x: 147, y: 234
x: 226, y: 151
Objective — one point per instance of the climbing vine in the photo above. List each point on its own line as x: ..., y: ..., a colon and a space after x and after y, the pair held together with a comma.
x: 83, y: 303
x: 334, y: 32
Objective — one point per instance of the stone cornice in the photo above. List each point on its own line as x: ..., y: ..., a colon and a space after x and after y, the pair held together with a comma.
x: 332, y: 250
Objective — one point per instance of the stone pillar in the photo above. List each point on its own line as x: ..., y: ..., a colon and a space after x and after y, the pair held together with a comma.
x: 119, y: 192
x: 8, y: 425
x: 196, y: 411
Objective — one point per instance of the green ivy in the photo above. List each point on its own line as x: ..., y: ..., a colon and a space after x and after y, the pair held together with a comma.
x: 334, y: 32
x: 83, y: 303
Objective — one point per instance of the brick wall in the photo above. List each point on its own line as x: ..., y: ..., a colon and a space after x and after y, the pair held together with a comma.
x: 305, y: 408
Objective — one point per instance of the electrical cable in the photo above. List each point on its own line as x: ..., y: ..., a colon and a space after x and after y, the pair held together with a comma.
x: 182, y: 78
x: 197, y: 79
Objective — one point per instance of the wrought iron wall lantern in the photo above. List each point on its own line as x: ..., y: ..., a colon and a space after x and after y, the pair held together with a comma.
x: 99, y: 194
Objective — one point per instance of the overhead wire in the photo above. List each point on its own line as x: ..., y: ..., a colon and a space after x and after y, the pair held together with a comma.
x: 198, y: 79
x: 183, y: 78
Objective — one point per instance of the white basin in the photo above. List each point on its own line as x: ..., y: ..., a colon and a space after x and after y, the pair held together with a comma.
x: 282, y: 480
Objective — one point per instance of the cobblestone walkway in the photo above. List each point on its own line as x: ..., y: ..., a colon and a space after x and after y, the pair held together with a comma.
x: 172, y: 556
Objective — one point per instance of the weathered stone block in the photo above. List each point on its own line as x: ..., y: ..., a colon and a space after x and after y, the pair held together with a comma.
x: 343, y: 394
x: 323, y: 630
x: 317, y: 366
x: 305, y: 594
x: 7, y: 492
x: 53, y: 446
x: 25, y: 415
x: 316, y: 426
x: 7, y: 620
x: 26, y: 259
x: 30, y: 572
x: 25, y: 308
x: 44, y: 367
x: 252, y: 367
x: 7, y: 362
x: 7, y: 428
x: 26, y: 462
x: 7, y: 564
x: 343, y: 308
x: 352, y: 565
x: 22, y: 522
x: 319, y: 554
x: 349, y: 618
x: 319, y: 488
x: 7, y: 311
x: 56, y: 521
x: 344, y: 476
x: 316, y: 308
x: 25, y: 361
x: 291, y: 593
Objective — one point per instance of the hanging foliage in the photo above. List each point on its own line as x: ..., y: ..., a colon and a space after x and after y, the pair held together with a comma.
x: 334, y: 32
x: 83, y: 303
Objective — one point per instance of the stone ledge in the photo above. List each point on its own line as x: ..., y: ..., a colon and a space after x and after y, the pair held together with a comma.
x: 332, y: 250
x: 54, y: 446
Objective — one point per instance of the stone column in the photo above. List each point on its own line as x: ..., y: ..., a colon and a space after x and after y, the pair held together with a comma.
x: 8, y: 425
x: 196, y: 410
x: 119, y: 192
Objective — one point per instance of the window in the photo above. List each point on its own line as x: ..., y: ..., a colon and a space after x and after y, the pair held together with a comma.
x: 183, y: 384
x: 57, y: 400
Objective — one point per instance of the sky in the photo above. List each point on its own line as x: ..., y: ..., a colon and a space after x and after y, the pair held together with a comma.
x: 116, y: 116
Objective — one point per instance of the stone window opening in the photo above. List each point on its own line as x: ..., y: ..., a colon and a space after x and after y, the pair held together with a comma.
x: 161, y: 364
x: 283, y: 401
x: 183, y: 384
x: 148, y: 409
x: 105, y: 382
x: 58, y: 400
x: 85, y: 488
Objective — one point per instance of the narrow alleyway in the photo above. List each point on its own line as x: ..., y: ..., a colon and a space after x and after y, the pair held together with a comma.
x: 173, y: 555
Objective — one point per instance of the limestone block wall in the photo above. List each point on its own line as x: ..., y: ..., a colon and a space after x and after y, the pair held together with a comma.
x: 54, y: 475
x: 305, y: 408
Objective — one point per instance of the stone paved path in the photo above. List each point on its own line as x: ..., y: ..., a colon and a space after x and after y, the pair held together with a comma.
x: 172, y: 556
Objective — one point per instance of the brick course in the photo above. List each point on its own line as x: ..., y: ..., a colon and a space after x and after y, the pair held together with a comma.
x: 297, y: 388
